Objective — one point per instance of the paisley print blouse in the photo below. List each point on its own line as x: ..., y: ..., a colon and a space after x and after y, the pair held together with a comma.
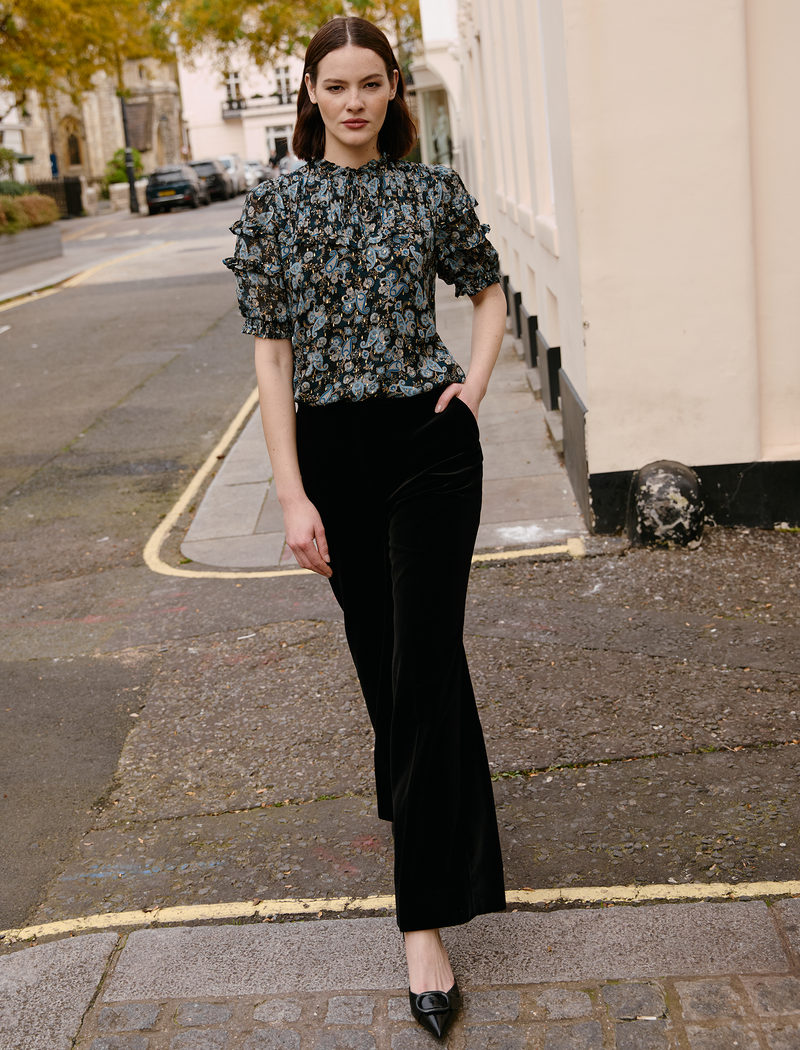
x: 343, y: 261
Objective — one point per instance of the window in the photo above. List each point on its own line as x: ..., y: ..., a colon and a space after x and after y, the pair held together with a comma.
x: 282, y: 84
x: 74, y: 149
x: 69, y: 144
x: 233, y: 86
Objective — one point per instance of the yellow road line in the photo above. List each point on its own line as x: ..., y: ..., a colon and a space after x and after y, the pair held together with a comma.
x: 573, y: 546
x: 76, y: 234
x: 152, y: 550
x: 79, y: 278
x: 32, y: 298
x: 657, y: 892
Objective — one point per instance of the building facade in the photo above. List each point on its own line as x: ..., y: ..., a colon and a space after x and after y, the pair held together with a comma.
x: 638, y: 163
x: 78, y: 139
x: 436, y: 87
x: 241, y: 110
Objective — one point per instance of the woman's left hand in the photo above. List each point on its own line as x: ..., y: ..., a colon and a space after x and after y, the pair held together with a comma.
x: 464, y: 393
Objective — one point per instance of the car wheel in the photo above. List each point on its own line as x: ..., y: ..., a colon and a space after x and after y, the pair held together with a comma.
x: 193, y: 201
x: 152, y: 209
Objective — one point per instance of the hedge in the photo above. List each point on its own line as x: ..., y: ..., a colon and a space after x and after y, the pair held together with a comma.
x: 32, y: 209
x: 12, y: 188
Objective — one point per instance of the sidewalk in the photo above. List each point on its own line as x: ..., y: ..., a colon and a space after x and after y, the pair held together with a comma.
x: 662, y: 977
x: 87, y: 242
x: 527, y: 497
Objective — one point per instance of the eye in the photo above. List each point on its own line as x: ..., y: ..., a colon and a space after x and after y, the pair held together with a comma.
x: 374, y: 83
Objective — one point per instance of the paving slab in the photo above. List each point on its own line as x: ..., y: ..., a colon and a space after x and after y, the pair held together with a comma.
x: 239, y: 523
x: 677, y: 940
x: 45, y: 991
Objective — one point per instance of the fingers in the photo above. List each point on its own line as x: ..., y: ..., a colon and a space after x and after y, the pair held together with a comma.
x: 322, y: 544
x: 311, y: 552
x: 308, y: 557
x: 447, y: 396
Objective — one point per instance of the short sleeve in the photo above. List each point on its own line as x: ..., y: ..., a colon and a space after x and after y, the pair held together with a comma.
x: 258, y: 266
x: 464, y: 255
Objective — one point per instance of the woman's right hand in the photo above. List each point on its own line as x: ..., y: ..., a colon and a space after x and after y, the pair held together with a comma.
x: 305, y: 535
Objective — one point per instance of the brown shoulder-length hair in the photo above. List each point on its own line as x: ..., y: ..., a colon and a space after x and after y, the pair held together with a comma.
x: 398, y: 133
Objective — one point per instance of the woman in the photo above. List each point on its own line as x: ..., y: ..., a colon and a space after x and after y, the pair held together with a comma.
x: 336, y: 266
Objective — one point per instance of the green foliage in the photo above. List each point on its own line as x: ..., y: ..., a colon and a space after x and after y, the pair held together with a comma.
x: 12, y: 188
x: 54, y: 44
x: 237, y: 30
x: 50, y: 45
x: 8, y: 159
x: 116, y: 170
x: 31, y: 209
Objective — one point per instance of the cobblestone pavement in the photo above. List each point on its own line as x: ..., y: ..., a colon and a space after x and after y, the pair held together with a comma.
x: 732, y: 1013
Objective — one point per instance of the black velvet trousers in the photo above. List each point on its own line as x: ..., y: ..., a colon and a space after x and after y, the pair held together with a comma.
x: 398, y: 488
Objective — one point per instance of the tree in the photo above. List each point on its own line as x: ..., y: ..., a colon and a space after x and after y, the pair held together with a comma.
x: 262, y: 31
x: 49, y: 45
x: 57, y: 45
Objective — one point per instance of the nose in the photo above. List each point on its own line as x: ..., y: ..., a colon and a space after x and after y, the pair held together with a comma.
x: 354, y: 100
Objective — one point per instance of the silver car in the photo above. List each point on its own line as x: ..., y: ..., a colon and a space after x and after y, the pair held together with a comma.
x: 233, y: 165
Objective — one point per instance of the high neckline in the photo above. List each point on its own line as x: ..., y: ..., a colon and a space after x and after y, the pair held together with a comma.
x: 371, y: 165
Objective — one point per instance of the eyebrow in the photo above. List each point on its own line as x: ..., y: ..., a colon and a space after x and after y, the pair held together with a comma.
x: 337, y: 80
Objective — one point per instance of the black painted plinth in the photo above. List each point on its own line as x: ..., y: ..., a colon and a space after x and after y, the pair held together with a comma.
x: 573, y: 415
x: 549, y: 358
x: 529, y: 326
x: 755, y: 495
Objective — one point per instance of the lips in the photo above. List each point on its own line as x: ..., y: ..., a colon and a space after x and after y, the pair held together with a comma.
x: 355, y: 123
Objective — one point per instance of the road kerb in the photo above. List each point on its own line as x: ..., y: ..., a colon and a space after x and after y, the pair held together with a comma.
x: 265, y: 909
x: 152, y: 551
x: 78, y: 278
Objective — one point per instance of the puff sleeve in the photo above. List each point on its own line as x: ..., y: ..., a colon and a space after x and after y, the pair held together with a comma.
x: 464, y: 255
x: 258, y: 266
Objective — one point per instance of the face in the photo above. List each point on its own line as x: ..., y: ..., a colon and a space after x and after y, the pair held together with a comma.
x: 352, y: 91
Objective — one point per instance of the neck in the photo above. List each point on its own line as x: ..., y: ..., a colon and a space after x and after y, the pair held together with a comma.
x: 350, y: 156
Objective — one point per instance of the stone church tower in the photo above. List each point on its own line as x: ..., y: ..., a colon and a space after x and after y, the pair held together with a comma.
x: 85, y: 136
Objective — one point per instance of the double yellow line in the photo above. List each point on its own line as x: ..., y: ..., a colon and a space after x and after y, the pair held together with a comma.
x: 152, y: 550
x: 79, y: 278
x: 263, y: 909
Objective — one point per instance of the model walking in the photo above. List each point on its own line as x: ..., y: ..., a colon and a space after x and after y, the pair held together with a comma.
x: 336, y: 266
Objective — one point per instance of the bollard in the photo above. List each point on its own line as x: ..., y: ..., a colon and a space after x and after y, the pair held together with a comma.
x: 665, y: 506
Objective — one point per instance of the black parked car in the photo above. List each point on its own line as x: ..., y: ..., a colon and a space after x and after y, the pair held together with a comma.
x: 216, y: 178
x: 175, y: 184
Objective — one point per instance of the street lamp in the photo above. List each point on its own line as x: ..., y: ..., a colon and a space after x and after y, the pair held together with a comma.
x: 129, y: 157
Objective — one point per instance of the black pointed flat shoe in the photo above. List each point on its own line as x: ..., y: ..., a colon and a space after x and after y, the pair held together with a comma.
x: 436, y: 1011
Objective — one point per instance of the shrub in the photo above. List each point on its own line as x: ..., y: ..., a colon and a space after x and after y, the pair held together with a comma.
x: 12, y: 188
x: 32, y: 209
x: 39, y: 209
x: 13, y: 217
x: 8, y: 158
x: 116, y: 170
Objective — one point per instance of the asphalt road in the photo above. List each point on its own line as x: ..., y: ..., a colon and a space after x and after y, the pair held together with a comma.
x: 176, y: 741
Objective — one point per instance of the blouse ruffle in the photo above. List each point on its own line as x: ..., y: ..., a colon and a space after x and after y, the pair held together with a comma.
x: 344, y: 261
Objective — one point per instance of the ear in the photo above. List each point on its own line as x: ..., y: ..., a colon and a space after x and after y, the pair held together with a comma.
x: 395, y: 81
x: 310, y: 89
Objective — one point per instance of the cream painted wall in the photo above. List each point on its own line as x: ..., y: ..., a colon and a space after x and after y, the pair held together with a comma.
x: 660, y: 142
x: 639, y: 164
x: 773, y: 34
x: 204, y: 94
x: 440, y: 32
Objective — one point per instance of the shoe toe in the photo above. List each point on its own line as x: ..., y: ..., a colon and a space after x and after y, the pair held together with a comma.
x: 436, y: 1011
